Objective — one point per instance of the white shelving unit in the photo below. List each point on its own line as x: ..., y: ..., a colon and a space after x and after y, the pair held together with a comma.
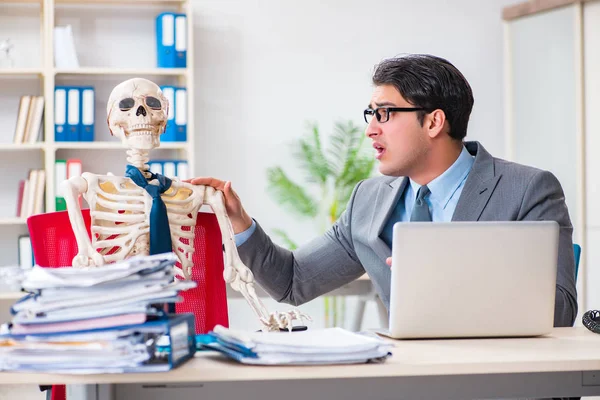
x: 102, y: 77
x: 13, y: 221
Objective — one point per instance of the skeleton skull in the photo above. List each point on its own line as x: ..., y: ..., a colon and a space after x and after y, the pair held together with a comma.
x: 137, y: 113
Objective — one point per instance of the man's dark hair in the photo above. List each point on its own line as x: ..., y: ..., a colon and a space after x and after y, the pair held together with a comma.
x: 432, y: 83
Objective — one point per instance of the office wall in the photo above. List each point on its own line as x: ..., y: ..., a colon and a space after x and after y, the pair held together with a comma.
x: 264, y: 68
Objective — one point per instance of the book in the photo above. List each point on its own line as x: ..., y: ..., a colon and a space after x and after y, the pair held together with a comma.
x: 34, y: 120
x: 24, y: 105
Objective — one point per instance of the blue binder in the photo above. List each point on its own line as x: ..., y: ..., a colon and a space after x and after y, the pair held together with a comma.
x: 169, y: 341
x: 169, y: 135
x: 180, y: 41
x: 180, y: 114
x: 165, y: 40
x: 73, y: 114
x: 87, y: 102
x: 60, y: 114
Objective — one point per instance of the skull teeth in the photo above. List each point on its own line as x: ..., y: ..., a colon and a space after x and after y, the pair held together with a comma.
x: 140, y: 130
x: 145, y: 127
x: 140, y: 133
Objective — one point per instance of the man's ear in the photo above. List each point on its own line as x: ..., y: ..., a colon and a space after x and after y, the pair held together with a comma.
x: 435, y: 122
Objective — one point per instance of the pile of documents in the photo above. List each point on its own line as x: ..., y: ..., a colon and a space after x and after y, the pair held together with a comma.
x: 319, y: 346
x: 99, y: 319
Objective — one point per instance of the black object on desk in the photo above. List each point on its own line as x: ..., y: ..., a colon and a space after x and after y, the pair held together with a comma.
x: 295, y: 328
x: 591, y: 320
x: 298, y: 328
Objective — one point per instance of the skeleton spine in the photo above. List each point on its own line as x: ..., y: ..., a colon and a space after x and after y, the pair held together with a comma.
x: 139, y: 159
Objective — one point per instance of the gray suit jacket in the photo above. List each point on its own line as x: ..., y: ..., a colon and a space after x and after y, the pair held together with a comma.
x: 495, y: 190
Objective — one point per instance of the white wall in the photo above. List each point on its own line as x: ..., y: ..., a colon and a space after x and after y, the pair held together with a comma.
x: 264, y: 68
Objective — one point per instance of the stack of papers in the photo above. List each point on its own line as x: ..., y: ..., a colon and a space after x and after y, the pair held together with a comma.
x: 98, y: 319
x: 319, y: 346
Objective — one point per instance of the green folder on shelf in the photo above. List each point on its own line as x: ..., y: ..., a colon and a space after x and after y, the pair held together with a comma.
x: 60, y: 174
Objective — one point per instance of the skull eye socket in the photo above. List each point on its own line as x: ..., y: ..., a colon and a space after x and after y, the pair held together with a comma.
x: 126, y: 104
x: 153, y: 103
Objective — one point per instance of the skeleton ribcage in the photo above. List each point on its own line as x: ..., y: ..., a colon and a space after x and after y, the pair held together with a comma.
x: 120, y: 218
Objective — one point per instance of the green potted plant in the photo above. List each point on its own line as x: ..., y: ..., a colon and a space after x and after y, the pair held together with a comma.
x: 333, y: 173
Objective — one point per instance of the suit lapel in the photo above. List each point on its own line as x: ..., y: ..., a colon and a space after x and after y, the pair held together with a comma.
x: 479, y: 186
x: 388, y: 195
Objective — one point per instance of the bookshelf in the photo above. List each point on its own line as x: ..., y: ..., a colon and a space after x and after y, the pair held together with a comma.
x: 95, y: 23
x: 13, y: 221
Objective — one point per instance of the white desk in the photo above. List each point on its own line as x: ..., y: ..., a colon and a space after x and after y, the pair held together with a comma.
x: 566, y: 363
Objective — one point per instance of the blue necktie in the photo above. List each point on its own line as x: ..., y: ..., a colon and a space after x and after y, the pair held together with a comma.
x: 160, y: 234
x: 420, y: 211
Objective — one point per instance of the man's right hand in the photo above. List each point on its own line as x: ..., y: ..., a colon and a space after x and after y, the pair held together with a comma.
x: 240, y: 220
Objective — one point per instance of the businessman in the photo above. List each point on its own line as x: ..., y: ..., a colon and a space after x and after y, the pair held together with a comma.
x: 417, y: 119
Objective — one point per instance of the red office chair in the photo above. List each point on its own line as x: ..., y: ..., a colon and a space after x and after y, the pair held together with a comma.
x: 54, y: 245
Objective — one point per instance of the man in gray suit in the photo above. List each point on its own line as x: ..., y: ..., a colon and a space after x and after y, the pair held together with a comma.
x: 417, y: 120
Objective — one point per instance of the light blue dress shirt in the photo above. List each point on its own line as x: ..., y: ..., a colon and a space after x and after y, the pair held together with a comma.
x: 241, y: 237
x: 442, y: 201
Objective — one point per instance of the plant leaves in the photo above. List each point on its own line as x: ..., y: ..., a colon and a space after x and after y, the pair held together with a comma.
x: 348, y: 162
x: 311, y: 157
x: 289, y: 194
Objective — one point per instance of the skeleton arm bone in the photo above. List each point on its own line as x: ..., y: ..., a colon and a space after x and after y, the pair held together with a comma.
x: 87, y: 255
x: 236, y: 273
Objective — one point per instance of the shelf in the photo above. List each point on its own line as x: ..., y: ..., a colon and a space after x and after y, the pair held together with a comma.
x: 13, y: 221
x: 21, y: 147
x: 120, y: 2
x: 11, y: 295
x: 21, y: 1
x: 112, y: 145
x: 123, y: 71
x: 19, y: 71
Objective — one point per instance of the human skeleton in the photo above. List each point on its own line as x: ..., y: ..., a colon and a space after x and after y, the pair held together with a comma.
x: 120, y: 210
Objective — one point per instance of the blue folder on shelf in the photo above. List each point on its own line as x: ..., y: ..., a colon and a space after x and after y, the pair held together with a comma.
x: 169, y: 135
x: 86, y: 132
x: 165, y: 40
x: 180, y: 114
x: 73, y: 114
x: 180, y: 41
x: 60, y: 114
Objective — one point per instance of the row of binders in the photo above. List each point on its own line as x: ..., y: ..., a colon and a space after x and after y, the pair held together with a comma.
x: 74, y: 110
x: 171, y: 40
x: 30, y: 200
x: 171, y: 168
x: 74, y: 114
x: 29, y: 119
x: 99, y: 320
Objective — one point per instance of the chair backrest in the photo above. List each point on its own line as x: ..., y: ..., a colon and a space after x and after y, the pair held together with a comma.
x: 577, y: 254
x: 54, y: 245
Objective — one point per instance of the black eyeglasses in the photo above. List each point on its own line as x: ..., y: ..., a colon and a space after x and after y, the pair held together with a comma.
x: 383, y: 113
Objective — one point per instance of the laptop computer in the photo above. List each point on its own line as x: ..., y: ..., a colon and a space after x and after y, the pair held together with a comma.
x: 473, y: 279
